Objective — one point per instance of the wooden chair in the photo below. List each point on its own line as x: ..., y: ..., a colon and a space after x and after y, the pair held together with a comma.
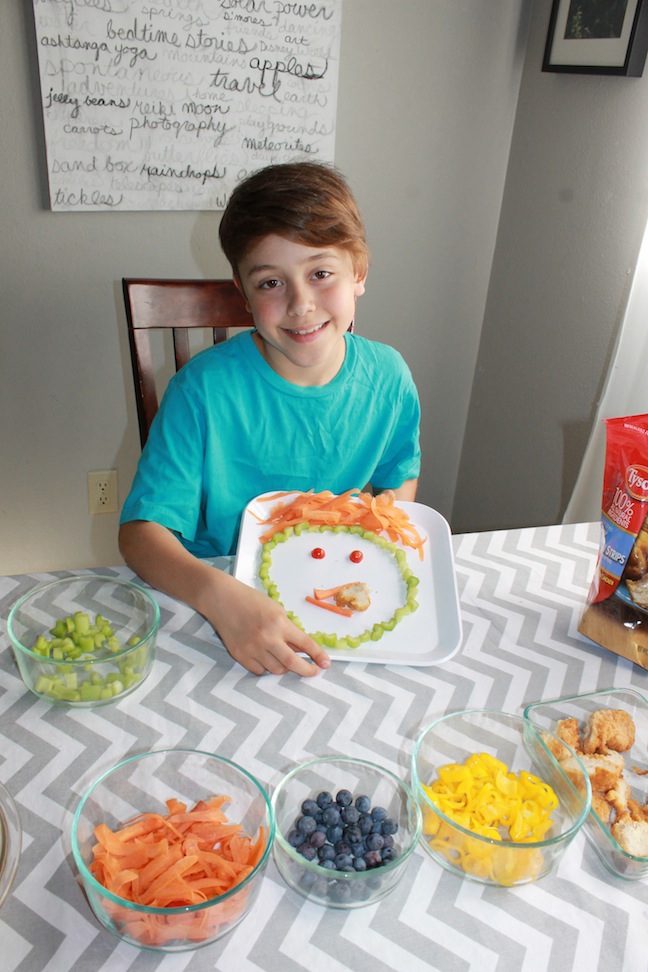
x: 177, y: 306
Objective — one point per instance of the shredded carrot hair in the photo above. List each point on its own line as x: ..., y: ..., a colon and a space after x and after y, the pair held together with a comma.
x: 378, y: 514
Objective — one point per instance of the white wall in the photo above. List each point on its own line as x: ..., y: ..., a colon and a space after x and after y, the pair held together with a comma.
x: 573, y: 217
x: 428, y: 90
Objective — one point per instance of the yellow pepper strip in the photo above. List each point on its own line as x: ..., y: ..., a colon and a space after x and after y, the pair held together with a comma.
x: 485, y: 798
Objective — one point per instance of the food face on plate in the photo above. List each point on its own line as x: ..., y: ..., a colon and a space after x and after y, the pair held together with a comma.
x: 342, y: 582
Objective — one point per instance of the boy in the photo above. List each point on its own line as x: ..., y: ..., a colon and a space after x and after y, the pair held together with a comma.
x: 297, y: 403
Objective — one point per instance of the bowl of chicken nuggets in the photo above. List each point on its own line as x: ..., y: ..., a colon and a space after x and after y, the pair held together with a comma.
x: 607, y: 733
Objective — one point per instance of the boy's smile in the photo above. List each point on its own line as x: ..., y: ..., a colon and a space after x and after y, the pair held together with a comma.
x: 302, y: 299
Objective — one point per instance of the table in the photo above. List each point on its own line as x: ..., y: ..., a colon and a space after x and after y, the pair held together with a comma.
x: 521, y: 593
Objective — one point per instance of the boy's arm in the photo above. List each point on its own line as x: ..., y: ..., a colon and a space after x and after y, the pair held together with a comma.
x: 407, y: 491
x: 255, y: 630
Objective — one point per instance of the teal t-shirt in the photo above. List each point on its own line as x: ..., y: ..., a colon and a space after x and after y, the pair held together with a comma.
x: 230, y: 428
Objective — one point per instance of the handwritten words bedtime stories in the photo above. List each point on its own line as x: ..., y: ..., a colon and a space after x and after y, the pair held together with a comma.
x: 167, y: 104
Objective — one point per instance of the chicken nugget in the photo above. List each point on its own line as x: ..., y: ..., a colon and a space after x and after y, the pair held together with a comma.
x: 604, y: 770
x: 619, y: 796
x: 355, y: 596
x: 631, y: 835
x: 609, y: 730
x: 601, y: 806
x: 569, y: 731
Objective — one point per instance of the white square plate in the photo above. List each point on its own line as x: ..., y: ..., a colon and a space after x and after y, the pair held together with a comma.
x: 429, y: 636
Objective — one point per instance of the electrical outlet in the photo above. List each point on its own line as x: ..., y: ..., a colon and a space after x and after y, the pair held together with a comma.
x: 102, y: 491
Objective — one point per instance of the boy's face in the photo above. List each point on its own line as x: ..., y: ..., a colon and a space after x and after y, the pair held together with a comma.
x: 302, y: 299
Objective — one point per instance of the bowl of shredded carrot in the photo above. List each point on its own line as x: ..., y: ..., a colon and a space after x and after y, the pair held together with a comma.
x: 171, y: 846
x: 497, y: 806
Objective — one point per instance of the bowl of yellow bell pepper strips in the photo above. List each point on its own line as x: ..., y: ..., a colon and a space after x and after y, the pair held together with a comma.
x: 84, y: 640
x: 497, y: 806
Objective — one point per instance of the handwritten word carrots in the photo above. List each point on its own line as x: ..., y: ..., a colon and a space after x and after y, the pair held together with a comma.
x: 353, y: 508
x: 184, y: 858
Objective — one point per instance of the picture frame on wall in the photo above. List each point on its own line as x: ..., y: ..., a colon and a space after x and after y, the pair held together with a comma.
x: 597, y: 37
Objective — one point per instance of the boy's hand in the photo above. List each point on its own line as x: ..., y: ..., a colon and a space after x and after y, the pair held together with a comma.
x: 259, y: 635
x: 255, y: 629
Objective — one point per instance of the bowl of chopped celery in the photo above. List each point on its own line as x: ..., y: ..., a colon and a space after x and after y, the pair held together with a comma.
x: 84, y: 640
x: 498, y: 807
x: 171, y: 847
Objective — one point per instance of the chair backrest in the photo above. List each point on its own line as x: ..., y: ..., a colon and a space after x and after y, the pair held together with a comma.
x: 178, y: 306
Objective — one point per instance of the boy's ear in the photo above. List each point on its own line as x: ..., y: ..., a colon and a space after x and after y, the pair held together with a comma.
x: 360, y: 284
x: 239, y: 287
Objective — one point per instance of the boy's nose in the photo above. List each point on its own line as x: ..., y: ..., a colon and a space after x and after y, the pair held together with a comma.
x: 300, y: 302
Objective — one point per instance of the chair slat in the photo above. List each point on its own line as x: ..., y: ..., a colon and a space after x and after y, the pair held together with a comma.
x: 178, y: 306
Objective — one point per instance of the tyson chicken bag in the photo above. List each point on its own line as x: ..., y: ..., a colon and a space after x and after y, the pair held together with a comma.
x: 616, y: 615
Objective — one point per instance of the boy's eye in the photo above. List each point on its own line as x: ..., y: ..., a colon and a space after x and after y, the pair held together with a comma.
x: 270, y: 284
x: 322, y: 274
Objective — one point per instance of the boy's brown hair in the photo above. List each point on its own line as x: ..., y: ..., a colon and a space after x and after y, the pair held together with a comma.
x: 309, y: 202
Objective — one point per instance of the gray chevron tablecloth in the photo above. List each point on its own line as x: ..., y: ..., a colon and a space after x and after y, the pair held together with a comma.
x: 521, y: 596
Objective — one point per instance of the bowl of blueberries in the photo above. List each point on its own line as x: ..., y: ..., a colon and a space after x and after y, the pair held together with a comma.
x: 345, y: 830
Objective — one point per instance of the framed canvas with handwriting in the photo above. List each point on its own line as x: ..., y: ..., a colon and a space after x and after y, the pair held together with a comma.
x: 166, y: 106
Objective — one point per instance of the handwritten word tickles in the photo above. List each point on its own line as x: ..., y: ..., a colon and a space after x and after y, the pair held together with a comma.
x: 83, y: 198
x: 167, y: 104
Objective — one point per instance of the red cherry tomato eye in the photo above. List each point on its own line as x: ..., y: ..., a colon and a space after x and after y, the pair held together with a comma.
x: 318, y: 553
x: 356, y: 556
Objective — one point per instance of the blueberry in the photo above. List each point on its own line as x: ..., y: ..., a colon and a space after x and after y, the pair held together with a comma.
x: 309, y: 808
x: 375, y: 842
x: 317, y: 839
x: 295, y: 838
x: 340, y: 892
x: 326, y: 853
x: 388, y: 842
x: 378, y: 813
x: 324, y: 799
x: 344, y: 798
x: 307, y: 825
x: 387, y: 854
x: 365, y: 824
x: 334, y: 834
x: 350, y: 815
x: 329, y: 864
x: 344, y: 862
x: 307, y: 851
x: 363, y: 804
x: 342, y: 847
x: 353, y: 835
x: 373, y: 858
x: 388, y: 826
x: 359, y: 864
x: 331, y: 816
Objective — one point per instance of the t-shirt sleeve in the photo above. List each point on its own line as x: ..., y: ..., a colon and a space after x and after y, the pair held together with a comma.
x: 401, y: 459
x: 168, y: 483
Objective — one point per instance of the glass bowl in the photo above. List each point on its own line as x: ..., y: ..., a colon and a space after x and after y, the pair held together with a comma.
x: 141, y: 785
x: 10, y: 838
x: 545, y: 715
x: 318, y: 881
x: 84, y: 640
x: 512, y: 740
